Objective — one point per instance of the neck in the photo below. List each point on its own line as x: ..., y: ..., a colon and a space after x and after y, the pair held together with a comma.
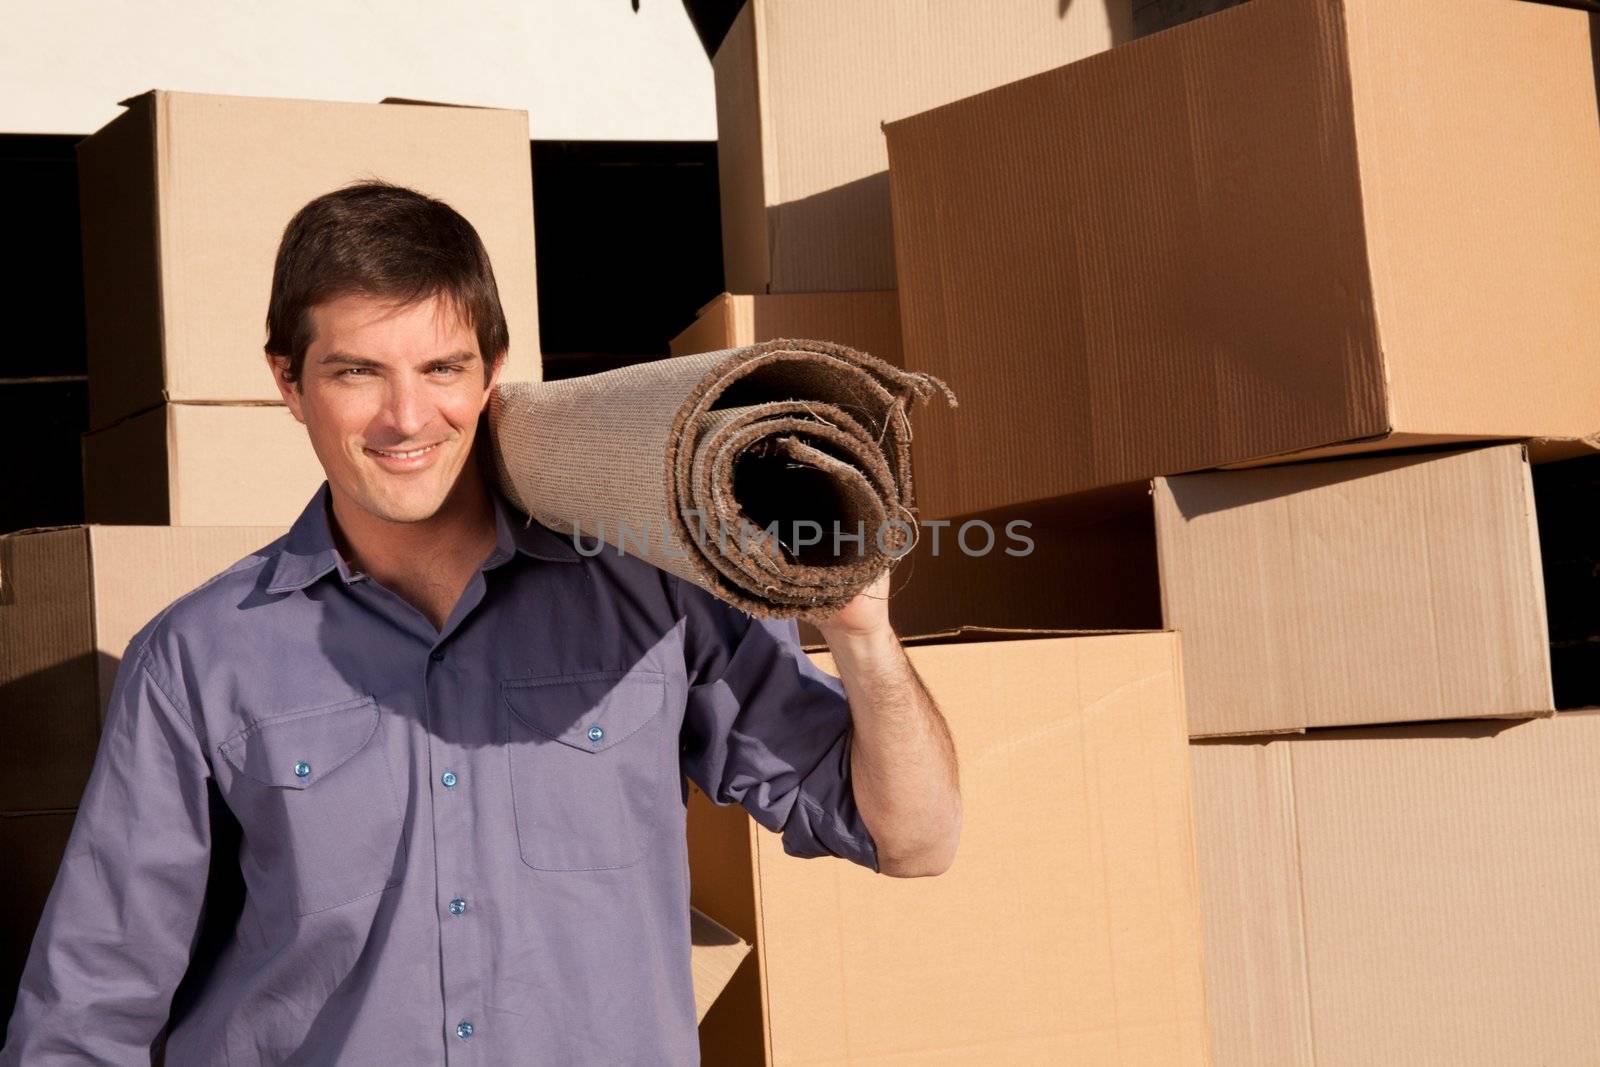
x: 458, y: 536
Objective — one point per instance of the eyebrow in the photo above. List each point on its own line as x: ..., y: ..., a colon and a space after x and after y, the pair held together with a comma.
x: 349, y: 360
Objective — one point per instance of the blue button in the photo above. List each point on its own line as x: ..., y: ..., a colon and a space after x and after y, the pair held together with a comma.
x: 302, y: 769
x: 463, y: 1029
x: 449, y: 779
x: 595, y: 733
x: 436, y: 655
x: 458, y: 906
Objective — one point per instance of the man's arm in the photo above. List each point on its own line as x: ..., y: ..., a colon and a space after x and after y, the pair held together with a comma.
x: 120, y: 923
x: 902, y: 761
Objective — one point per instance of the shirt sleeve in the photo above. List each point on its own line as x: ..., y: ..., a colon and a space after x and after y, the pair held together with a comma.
x: 768, y: 729
x: 120, y: 922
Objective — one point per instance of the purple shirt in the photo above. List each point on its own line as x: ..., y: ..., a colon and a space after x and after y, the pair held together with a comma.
x: 318, y: 830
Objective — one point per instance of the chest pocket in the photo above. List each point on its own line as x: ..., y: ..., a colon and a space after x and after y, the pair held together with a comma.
x: 584, y: 760
x: 317, y: 800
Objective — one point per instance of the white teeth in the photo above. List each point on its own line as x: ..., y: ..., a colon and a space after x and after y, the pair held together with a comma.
x: 404, y: 455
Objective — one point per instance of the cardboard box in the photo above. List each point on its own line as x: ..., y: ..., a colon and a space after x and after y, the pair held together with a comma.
x: 1410, y: 894
x: 70, y: 601
x: 867, y: 322
x: 186, y: 196
x: 1356, y: 591
x: 1291, y: 225
x: 802, y: 88
x: 1065, y: 932
x: 201, y: 465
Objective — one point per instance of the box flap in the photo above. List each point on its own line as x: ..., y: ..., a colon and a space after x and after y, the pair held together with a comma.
x: 715, y: 952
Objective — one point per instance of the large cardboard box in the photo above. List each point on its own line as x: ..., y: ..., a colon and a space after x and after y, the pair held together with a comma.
x: 186, y: 196
x: 1066, y: 930
x: 201, y: 465
x: 1356, y: 591
x: 70, y: 601
x: 802, y: 88
x: 1412, y: 894
x: 1291, y: 225
x: 868, y: 322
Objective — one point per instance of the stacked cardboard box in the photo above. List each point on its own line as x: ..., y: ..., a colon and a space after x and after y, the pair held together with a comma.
x: 185, y: 198
x: 1184, y: 285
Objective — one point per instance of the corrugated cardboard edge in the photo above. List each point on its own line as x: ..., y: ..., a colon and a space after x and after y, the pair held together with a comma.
x: 715, y: 953
x: 711, y: 331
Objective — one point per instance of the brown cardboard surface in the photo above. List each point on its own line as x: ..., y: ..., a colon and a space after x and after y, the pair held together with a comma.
x: 868, y: 322
x: 715, y: 953
x: 1408, y: 894
x: 185, y: 197
x: 1288, y: 225
x: 802, y: 88
x: 1074, y: 945
x: 201, y: 465
x: 70, y: 601
x: 1356, y: 591
x: 1077, y: 568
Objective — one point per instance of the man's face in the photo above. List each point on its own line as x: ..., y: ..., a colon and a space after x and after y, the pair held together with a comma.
x: 390, y: 396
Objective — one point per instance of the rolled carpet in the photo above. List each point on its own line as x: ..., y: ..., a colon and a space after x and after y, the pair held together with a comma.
x: 776, y: 476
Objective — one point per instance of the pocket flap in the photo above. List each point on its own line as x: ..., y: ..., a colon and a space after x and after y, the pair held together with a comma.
x: 296, y: 750
x: 591, y: 712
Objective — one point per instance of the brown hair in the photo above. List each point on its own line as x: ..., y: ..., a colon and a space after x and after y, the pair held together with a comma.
x: 387, y: 241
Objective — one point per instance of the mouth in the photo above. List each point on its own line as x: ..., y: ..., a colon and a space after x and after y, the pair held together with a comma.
x: 410, y: 454
x: 408, y: 459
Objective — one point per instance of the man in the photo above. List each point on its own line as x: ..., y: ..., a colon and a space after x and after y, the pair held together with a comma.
x: 437, y: 754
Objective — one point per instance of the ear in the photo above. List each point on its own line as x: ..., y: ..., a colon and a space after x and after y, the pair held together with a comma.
x: 290, y: 391
x: 494, y: 379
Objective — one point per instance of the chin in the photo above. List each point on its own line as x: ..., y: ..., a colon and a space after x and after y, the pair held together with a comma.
x: 409, y: 506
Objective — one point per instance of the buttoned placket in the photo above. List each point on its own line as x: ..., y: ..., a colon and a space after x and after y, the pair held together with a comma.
x: 457, y: 802
x: 454, y: 807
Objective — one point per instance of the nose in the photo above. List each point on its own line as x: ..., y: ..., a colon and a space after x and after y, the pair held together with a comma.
x: 406, y: 411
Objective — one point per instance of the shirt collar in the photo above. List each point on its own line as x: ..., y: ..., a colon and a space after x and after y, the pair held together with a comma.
x: 308, y: 551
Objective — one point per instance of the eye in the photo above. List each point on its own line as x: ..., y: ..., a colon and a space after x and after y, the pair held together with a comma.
x: 447, y: 369
x: 351, y: 372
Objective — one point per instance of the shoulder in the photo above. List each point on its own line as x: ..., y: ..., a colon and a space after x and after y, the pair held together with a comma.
x: 202, y: 615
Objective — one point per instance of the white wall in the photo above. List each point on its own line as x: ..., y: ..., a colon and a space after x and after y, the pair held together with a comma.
x: 582, y: 69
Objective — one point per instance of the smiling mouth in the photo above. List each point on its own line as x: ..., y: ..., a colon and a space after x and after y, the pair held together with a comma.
x: 408, y: 454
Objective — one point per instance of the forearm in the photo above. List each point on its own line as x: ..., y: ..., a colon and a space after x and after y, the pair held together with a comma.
x: 902, y: 761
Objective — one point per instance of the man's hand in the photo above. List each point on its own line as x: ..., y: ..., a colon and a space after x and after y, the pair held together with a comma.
x: 902, y: 760
x: 866, y: 615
